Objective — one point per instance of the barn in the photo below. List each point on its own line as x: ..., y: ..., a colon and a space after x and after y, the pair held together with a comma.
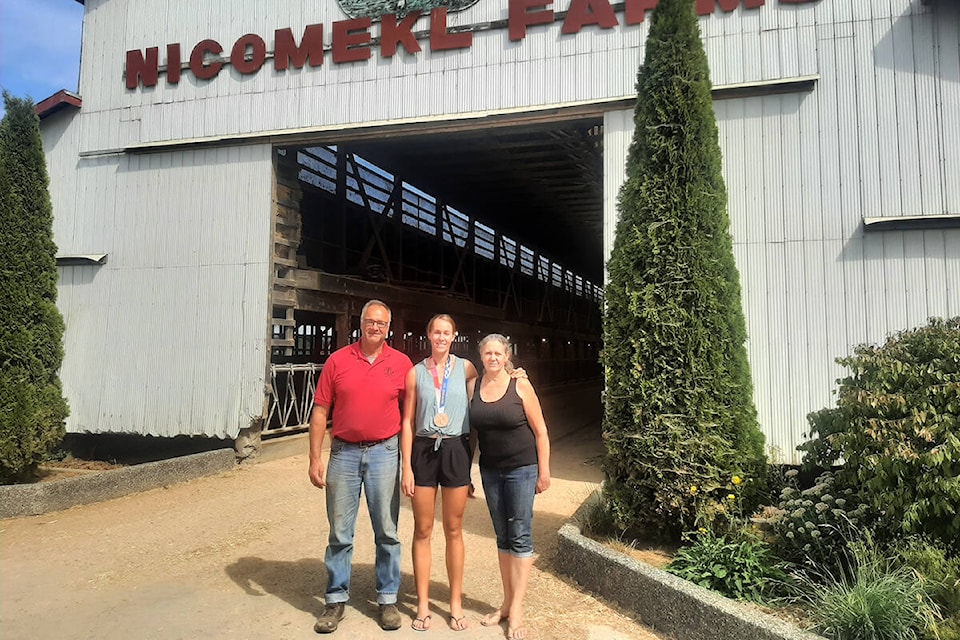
x: 232, y: 180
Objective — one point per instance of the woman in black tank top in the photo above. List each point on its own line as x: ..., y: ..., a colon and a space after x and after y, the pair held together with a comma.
x: 506, y: 417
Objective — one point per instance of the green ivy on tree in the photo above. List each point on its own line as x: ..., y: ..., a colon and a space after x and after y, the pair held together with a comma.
x: 32, y: 407
x: 679, y: 419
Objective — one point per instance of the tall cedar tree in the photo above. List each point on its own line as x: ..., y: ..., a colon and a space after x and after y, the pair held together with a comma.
x: 679, y: 418
x: 32, y: 407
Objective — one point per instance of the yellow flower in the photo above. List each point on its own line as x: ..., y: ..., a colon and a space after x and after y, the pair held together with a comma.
x: 737, y: 480
x: 693, y: 490
x: 701, y: 530
x: 731, y: 497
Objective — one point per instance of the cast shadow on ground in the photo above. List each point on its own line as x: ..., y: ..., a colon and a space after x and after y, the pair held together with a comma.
x: 301, y: 584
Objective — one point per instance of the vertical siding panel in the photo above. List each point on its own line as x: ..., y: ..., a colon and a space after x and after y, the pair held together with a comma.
x: 893, y: 280
x: 147, y: 316
x: 948, y: 41
x: 796, y: 361
x: 935, y: 271
x: 772, y: 170
x: 929, y: 121
x: 914, y: 279
x: 755, y: 189
x: 855, y: 292
x: 617, y: 134
x: 885, y: 135
x: 778, y: 342
x: 753, y: 275
x: 854, y: 161
x: 789, y: 144
x: 952, y: 246
x: 907, y: 117
x: 817, y: 326
x: 836, y: 311
x: 730, y: 121
x: 814, y: 200
x: 752, y: 68
x: 876, y: 288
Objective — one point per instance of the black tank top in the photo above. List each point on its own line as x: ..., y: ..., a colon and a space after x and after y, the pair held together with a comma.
x: 506, y: 440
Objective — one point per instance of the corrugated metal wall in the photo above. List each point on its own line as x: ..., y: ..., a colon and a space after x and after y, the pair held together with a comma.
x: 168, y: 337
x: 876, y: 137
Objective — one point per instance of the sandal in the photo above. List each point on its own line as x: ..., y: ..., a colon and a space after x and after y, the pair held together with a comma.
x: 424, y: 623
x: 457, y: 624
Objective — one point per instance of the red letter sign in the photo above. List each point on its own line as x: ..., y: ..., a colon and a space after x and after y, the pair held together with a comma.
x: 238, y: 55
x: 519, y: 17
x: 139, y: 68
x: 198, y: 65
x: 173, y: 63
x: 393, y: 33
x: 635, y: 10
x: 440, y: 38
x: 287, y: 52
x: 583, y: 12
x: 350, y: 40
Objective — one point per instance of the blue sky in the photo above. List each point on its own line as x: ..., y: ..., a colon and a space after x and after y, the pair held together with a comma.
x: 39, y: 47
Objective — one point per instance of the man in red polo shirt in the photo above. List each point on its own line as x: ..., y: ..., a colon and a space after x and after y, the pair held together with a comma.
x: 364, y: 383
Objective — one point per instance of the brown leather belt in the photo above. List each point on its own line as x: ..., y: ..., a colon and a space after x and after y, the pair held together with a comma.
x: 365, y: 443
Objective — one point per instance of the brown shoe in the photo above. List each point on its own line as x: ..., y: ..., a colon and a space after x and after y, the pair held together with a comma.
x: 389, y: 617
x: 330, y: 619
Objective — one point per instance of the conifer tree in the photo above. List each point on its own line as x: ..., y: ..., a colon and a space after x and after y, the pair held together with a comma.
x: 32, y: 407
x: 679, y: 420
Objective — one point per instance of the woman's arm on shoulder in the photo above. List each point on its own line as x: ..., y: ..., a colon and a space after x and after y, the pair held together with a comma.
x: 469, y: 371
x: 471, y: 386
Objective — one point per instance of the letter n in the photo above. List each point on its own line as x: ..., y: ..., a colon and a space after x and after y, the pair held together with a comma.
x: 143, y: 69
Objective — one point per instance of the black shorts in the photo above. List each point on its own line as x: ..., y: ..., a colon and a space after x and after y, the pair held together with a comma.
x: 448, y: 466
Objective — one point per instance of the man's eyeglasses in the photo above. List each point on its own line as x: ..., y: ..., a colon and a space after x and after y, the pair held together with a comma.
x: 379, y: 324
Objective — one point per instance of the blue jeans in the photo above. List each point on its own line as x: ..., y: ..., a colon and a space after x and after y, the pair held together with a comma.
x: 510, y: 502
x: 376, y: 468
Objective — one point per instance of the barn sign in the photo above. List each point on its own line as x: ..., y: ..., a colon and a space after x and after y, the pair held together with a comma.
x: 352, y: 40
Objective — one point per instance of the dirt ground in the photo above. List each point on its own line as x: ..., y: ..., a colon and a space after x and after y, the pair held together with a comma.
x: 239, y: 555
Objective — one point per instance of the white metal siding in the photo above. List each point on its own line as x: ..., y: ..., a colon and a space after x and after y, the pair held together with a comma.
x: 878, y: 136
x: 169, y: 336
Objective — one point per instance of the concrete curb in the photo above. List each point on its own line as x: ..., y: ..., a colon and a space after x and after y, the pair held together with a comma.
x: 43, y: 497
x: 664, y: 602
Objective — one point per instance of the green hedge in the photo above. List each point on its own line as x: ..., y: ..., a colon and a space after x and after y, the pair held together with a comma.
x: 32, y: 407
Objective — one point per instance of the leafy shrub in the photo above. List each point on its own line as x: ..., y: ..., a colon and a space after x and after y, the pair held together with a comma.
x: 874, y: 598
x: 817, y: 523
x: 737, y: 564
x: 896, y: 428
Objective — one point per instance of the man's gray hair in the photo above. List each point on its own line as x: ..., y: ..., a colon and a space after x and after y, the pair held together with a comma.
x: 375, y: 303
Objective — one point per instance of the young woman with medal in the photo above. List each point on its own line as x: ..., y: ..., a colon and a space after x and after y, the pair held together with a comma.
x: 435, y: 448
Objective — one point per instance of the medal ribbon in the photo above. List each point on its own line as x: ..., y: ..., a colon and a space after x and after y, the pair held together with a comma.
x: 442, y: 391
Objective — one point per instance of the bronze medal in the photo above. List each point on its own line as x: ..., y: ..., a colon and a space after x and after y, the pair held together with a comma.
x: 441, y: 420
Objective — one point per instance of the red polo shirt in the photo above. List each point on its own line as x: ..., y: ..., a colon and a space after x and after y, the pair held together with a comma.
x: 365, y: 397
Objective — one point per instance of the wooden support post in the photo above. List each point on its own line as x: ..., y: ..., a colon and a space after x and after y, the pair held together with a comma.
x: 343, y: 329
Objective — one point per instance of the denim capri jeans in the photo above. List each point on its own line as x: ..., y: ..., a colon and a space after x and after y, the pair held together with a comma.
x: 510, y: 494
